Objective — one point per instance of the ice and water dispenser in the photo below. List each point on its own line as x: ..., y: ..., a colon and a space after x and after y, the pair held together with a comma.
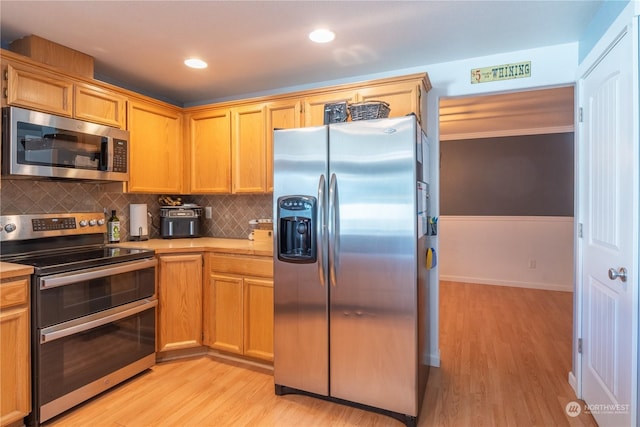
x: 297, y: 229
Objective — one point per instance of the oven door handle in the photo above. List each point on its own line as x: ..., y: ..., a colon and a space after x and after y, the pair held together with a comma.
x: 63, y: 279
x: 77, y: 326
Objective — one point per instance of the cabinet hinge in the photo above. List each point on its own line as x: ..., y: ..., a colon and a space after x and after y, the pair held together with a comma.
x: 6, y: 74
x: 580, y: 230
x: 580, y: 345
x: 580, y: 115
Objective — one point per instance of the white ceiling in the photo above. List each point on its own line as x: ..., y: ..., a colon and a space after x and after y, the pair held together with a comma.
x: 261, y: 47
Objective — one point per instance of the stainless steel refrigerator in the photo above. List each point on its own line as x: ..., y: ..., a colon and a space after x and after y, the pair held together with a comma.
x: 350, y: 282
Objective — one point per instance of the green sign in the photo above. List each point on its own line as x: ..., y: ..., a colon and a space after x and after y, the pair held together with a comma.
x: 501, y: 72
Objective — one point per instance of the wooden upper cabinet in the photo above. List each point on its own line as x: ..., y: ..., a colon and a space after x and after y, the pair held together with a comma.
x: 280, y: 115
x: 210, y: 152
x: 155, y: 153
x: 99, y: 105
x: 314, y: 105
x: 30, y: 88
x: 248, y: 141
x: 403, y: 98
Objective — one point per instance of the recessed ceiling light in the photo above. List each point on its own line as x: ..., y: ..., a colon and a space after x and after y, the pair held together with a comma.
x: 322, y: 35
x: 195, y: 63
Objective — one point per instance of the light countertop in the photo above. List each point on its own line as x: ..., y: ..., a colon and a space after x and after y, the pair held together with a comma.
x: 204, y: 244
x: 162, y: 246
x: 9, y: 270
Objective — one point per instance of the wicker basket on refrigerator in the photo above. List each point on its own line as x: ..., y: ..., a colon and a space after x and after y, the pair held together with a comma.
x: 369, y: 110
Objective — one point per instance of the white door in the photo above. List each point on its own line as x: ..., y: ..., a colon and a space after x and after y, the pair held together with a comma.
x: 609, y: 208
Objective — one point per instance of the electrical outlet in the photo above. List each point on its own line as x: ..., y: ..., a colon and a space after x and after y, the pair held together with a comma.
x: 532, y: 263
x: 208, y: 212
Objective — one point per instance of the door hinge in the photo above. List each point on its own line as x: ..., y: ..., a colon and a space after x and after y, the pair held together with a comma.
x: 580, y: 230
x: 580, y: 345
x: 580, y: 115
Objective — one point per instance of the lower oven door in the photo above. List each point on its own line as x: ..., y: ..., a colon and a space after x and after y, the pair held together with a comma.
x: 83, y: 357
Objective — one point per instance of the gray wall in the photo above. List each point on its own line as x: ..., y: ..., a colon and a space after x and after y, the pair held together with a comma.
x: 509, y: 176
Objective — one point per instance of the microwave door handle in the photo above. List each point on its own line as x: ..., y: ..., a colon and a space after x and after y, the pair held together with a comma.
x: 106, y: 148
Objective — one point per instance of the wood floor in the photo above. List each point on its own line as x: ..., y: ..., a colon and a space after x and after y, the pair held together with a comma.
x: 505, y: 353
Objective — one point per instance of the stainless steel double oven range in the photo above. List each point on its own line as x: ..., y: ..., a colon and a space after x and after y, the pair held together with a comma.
x: 92, y: 307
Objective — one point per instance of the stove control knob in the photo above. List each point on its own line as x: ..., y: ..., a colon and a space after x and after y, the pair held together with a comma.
x: 101, y: 221
x: 83, y: 223
x: 9, y: 228
x: 92, y: 222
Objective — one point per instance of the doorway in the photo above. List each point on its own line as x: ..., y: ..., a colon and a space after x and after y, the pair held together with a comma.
x: 498, y: 247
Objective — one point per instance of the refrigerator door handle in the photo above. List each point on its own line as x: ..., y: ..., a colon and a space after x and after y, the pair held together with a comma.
x: 334, y: 230
x: 321, y: 227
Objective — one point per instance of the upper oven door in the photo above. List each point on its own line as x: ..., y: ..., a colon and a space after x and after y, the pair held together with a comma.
x: 43, y: 145
x: 66, y: 296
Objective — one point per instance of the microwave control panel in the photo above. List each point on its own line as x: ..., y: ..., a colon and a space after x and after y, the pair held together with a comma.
x: 119, y: 155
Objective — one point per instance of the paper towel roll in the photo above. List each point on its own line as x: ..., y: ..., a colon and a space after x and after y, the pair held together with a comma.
x: 138, y: 226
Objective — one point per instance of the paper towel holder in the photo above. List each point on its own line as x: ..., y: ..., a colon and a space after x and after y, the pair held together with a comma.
x: 138, y: 223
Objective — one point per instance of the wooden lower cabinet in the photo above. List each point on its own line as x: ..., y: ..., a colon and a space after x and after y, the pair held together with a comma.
x: 258, y: 318
x: 238, y: 313
x: 15, y: 356
x: 180, y: 301
x: 226, y: 320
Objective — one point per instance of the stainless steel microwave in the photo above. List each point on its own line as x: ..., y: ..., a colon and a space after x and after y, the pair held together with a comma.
x: 36, y: 144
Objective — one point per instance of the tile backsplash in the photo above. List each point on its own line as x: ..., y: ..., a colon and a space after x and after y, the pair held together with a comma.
x: 230, y: 219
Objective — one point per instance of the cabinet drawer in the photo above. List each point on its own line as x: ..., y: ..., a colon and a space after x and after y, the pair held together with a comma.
x: 14, y: 292
x: 245, y: 265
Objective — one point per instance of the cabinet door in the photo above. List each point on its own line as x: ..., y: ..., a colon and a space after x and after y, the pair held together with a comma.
x: 210, y: 152
x: 258, y: 318
x: 98, y: 105
x: 403, y: 98
x: 156, y: 154
x: 180, y: 301
x: 30, y: 88
x: 280, y: 115
x: 15, y: 380
x: 249, y: 149
x: 314, y: 105
x: 226, y: 316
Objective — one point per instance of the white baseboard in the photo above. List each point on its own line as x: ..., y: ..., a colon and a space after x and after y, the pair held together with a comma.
x: 434, y: 359
x: 515, y: 284
x: 573, y: 382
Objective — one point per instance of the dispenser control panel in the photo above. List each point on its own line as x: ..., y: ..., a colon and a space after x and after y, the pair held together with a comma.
x: 297, y: 229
